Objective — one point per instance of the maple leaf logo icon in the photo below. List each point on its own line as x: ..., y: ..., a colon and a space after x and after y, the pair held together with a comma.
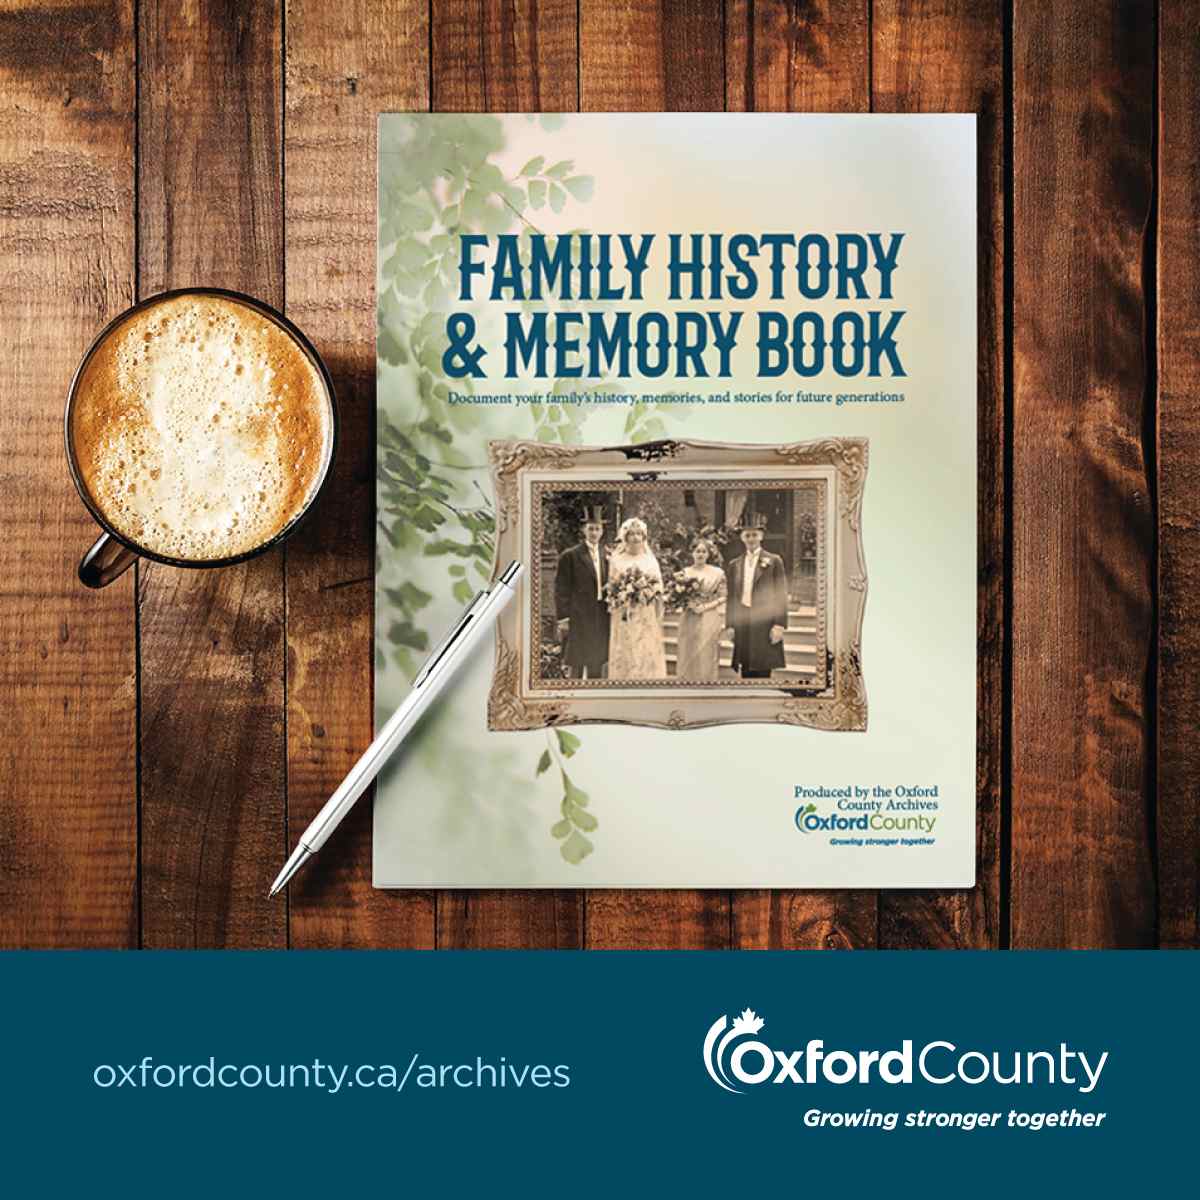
x: 748, y: 1022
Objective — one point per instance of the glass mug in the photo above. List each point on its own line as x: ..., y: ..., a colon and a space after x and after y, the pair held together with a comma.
x: 253, y: 404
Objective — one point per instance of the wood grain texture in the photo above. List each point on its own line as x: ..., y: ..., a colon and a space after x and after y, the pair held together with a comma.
x: 948, y: 56
x: 1083, y: 133
x: 500, y: 56
x: 639, y: 56
x: 492, y: 57
x: 807, y: 58
x: 68, y: 786
x: 804, y: 920
x: 1178, y: 775
x: 345, y: 65
x: 650, y: 56
x: 792, y: 56
x: 212, y: 648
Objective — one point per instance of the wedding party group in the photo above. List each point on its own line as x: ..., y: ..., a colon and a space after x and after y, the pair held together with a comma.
x: 611, y: 602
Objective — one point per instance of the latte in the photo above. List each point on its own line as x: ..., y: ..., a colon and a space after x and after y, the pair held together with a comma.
x: 200, y: 428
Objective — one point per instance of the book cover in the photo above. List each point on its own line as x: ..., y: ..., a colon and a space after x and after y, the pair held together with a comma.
x: 712, y: 379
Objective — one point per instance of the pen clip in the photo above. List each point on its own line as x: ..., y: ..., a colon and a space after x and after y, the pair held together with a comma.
x: 439, y: 651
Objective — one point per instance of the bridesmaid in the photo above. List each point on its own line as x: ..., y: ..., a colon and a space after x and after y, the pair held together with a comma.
x: 700, y: 625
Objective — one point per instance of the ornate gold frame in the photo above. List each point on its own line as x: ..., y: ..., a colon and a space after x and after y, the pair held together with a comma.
x: 518, y: 701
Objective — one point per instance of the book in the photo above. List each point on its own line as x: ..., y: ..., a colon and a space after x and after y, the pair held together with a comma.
x: 712, y: 379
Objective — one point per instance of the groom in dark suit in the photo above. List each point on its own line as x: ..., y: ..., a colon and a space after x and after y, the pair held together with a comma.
x: 578, y: 600
x: 756, y: 609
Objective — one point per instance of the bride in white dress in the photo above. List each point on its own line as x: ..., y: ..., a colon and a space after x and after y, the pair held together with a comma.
x: 635, y: 640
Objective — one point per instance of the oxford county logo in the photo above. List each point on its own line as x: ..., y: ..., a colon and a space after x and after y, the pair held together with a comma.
x: 734, y: 1055
x: 721, y: 1062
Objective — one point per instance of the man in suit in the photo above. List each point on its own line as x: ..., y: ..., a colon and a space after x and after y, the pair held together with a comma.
x: 579, y: 600
x: 756, y: 609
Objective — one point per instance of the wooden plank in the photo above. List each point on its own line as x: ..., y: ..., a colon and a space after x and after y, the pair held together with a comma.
x: 500, y: 58
x: 488, y: 919
x: 650, y: 56
x: 344, y: 65
x: 804, y: 920
x: 783, y: 58
x: 68, y: 803
x: 1178, y: 454
x: 641, y: 56
x: 787, y: 57
x: 212, y: 649
x: 1082, y: 530
x: 494, y: 56
x: 948, y: 56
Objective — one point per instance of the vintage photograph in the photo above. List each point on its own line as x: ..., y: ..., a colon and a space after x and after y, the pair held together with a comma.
x: 681, y: 583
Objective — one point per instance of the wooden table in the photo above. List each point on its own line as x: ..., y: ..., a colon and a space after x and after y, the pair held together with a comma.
x: 164, y: 740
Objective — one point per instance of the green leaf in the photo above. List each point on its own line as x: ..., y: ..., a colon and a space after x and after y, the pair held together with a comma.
x: 576, y: 848
x: 406, y: 284
x: 410, y: 217
x: 436, y: 295
x: 463, y: 592
x: 544, y: 763
x: 440, y: 546
x: 537, y: 193
x: 430, y: 358
x: 560, y: 829
x: 474, y: 205
x: 568, y: 743
x: 427, y: 518
x: 457, y: 571
x: 558, y: 198
x: 515, y: 196
x: 389, y: 347
x: 560, y: 170
x: 572, y: 794
x: 408, y: 596
x: 411, y: 254
x: 552, y: 122
x: 431, y: 428
x: 581, y: 187
x: 488, y: 177
x: 582, y: 819
x: 496, y: 216
x: 534, y: 165
x: 403, y: 633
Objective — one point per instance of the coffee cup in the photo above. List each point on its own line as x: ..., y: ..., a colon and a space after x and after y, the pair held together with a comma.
x: 200, y: 428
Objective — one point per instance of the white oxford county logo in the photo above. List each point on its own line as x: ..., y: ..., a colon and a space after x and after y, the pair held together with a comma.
x: 716, y: 1052
x: 733, y: 1055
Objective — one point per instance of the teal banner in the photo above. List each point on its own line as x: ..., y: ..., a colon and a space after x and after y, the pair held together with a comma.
x: 571, y: 1073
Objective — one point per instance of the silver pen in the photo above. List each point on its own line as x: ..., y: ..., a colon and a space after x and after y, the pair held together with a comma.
x: 432, y: 677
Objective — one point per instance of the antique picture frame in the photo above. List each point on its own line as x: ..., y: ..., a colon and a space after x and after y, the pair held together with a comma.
x: 824, y: 480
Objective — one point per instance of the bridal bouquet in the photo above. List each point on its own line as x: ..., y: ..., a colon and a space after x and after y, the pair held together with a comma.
x: 631, y: 588
x: 682, y: 591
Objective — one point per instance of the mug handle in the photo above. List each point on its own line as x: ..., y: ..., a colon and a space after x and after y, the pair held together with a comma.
x: 104, y: 562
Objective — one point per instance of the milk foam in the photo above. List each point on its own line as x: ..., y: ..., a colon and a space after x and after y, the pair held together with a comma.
x: 202, y: 430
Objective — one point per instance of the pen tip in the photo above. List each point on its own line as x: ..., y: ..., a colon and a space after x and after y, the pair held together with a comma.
x: 300, y: 856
